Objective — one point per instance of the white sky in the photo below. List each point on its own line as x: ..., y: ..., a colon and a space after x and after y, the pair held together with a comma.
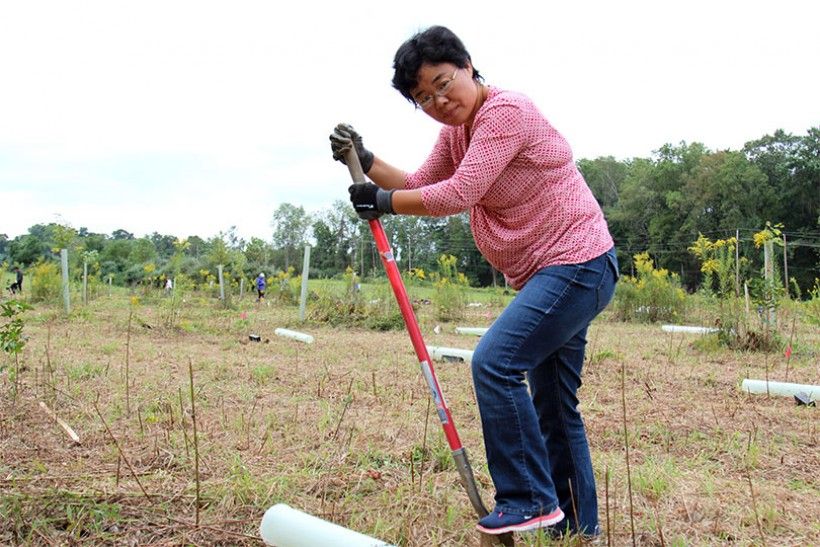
x: 188, y: 117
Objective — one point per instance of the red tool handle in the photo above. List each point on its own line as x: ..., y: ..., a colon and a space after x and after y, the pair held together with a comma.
x: 410, y: 321
x: 393, y: 275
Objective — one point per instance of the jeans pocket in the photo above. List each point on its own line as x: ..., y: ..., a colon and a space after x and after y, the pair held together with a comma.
x: 606, y: 288
x: 612, y: 259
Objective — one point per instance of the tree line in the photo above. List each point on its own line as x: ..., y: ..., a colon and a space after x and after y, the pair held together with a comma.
x: 659, y: 204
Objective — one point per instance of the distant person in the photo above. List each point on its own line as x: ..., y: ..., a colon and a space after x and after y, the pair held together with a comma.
x: 169, y: 285
x: 260, y: 287
x: 17, y: 286
x: 534, y: 218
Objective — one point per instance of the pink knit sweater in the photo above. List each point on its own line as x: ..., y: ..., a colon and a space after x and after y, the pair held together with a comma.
x: 529, y: 205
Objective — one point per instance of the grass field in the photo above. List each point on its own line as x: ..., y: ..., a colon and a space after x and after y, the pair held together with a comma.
x: 343, y: 429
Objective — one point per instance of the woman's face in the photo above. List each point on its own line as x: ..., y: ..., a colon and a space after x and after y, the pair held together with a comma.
x: 450, y: 92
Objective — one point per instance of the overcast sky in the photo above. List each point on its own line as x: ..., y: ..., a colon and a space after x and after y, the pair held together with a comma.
x: 188, y: 117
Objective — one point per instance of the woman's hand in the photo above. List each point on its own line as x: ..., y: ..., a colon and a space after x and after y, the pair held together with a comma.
x: 370, y: 201
x: 340, y: 140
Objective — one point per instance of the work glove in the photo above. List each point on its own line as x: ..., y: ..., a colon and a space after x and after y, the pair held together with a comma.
x: 370, y: 201
x: 341, y: 138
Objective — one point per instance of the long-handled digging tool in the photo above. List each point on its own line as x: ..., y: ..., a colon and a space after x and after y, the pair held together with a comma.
x: 427, y: 370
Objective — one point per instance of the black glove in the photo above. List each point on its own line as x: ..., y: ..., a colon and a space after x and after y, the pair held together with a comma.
x: 340, y: 141
x: 370, y: 201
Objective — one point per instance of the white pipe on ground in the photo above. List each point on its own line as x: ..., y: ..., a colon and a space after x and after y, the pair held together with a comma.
x: 284, y: 526
x: 450, y: 354
x: 778, y: 388
x: 689, y: 330
x: 301, y: 336
x: 475, y: 331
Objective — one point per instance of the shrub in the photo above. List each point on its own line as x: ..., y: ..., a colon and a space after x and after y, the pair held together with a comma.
x: 813, y: 305
x: 285, y: 287
x: 351, y: 309
x: 717, y: 264
x: 415, y: 276
x: 383, y: 312
x: 46, y: 285
x: 755, y: 332
x: 652, y: 295
x: 450, y: 285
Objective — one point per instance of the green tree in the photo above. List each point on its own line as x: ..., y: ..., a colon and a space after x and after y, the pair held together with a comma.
x: 4, y: 243
x: 323, y: 257
x: 258, y: 254
x: 723, y: 193
x: 196, y: 246
x: 142, y: 251
x: 63, y: 237
x: 290, y: 226
x: 164, y: 244
x: 605, y: 176
x: 792, y: 165
x: 121, y: 234
x: 218, y: 255
x: 114, y: 258
x: 27, y: 249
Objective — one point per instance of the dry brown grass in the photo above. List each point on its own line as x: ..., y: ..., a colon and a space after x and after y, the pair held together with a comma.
x: 336, y: 429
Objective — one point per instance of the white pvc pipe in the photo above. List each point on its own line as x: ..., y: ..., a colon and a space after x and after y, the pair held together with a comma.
x: 689, y: 330
x: 450, y: 354
x: 475, y: 331
x: 778, y: 388
x: 301, y: 336
x: 284, y: 526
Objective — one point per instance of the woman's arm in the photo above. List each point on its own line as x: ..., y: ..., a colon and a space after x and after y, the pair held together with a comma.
x: 385, y: 175
x: 408, y: 202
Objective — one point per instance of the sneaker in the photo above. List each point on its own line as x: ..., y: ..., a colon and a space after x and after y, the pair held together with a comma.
x: 499, y: 522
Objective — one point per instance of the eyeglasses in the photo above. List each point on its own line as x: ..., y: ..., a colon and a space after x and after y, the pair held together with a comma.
x: 443, y: 87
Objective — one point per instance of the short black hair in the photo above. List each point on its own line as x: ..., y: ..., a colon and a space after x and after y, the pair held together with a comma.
x: 434, y: 45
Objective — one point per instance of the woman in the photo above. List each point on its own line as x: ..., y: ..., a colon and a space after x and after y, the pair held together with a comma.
x: 533, y: 218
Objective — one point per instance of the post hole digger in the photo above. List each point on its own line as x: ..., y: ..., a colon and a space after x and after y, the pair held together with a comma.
x: 445, y: 417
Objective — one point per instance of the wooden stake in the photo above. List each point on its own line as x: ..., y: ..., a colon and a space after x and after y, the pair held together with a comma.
x: 424, y: 440
x: 67, y: 428
x: 754, y: 508
x: 789, y: 356
x: 182, y: 423
x: 122, y: 454
x: 196, y: 440
x: 606, y: 498
x: 128, y: 362
x: 626, y: 446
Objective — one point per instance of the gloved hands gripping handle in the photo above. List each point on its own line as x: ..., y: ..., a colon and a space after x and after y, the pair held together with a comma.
x: 369, y: 201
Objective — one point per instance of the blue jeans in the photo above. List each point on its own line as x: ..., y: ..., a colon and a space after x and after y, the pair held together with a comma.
x: 535, y: 441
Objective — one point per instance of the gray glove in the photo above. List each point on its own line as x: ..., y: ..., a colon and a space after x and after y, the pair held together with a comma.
x: 340, y: 140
